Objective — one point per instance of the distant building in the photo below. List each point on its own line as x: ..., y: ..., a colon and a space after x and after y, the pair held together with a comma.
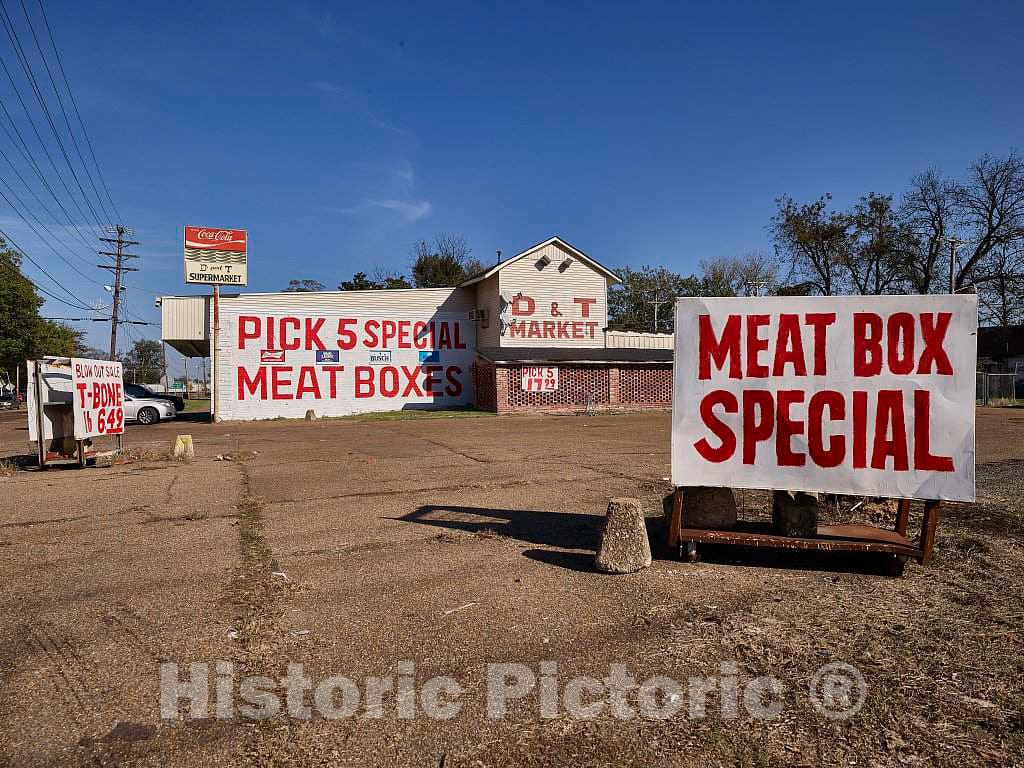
x: 529, y: 333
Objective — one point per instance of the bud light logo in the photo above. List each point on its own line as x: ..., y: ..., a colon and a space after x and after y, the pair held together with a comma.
x: 328, y: 356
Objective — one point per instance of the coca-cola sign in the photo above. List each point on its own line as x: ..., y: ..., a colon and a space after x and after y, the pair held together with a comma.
x: 215, y: 256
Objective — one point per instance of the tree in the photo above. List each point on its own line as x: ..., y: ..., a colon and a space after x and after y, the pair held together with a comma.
x: 442, y: 264
x: 880, y: 247
x: 381, y: 281
x: 304, y: 286
x: 631, y: 303
x: 990, y: 209
x: 927, y: 213
x: 24, y: 335
x: 753, y: 274
x: 1001, y: 289
x: 145, y: 361
x: 816, y: 242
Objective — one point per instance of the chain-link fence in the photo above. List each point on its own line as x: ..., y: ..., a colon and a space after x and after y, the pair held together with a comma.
x: 996, y: 389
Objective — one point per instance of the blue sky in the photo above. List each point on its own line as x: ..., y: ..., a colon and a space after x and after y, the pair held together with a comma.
x: 338, y: 134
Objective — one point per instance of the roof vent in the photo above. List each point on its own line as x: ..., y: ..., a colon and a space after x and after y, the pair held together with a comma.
x: 565, y: 264
x: 543, y: 261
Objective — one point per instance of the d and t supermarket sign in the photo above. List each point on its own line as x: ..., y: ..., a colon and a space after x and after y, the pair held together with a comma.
x: 98, y: 397
x: 865, y: 395
x: 215, y: 256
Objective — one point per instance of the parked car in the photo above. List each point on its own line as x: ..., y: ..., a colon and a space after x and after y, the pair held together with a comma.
x: 138, y: 390
x: 147, y: 410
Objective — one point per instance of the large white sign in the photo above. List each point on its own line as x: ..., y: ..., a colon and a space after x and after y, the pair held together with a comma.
x: 865, y: 395
x: 98, y: 397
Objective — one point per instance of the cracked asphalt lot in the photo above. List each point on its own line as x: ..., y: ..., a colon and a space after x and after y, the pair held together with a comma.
x: 454, y: 543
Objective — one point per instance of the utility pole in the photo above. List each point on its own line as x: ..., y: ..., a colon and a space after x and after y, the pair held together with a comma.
x: 954, y: 243
x: 657, y: 303
x: 118, y: 269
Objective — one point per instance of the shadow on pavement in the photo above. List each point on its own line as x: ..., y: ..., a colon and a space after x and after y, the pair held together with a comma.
x: 568, y: 530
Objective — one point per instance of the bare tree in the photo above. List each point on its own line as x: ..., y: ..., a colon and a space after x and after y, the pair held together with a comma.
x: 752, y: 274
x: 815, y: 242
x: 1001, y: 288
x: 928, y: 212
x: 876, y: 262
x: 990, y: 210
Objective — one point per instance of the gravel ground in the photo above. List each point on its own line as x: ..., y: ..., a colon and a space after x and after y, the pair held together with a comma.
x: 413, y: 549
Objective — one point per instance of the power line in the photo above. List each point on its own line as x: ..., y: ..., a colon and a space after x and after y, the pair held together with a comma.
x: 26, y: 65
x: 36, y: 232
x: 71, y: 95
x: 26, y: 153
x: 38, y: 200
x: 35, y: 285
x: 60, y: 103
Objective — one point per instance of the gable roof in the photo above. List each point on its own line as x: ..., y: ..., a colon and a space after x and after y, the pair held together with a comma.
x: 556, y: 240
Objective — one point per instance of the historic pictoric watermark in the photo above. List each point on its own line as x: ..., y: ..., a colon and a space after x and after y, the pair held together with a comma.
x: 837, y: 691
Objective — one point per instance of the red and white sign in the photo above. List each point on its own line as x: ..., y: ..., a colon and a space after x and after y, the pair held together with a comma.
x: 215, y: 256
x: 283, y: 364
x: 540, y: 379
x: 864, y: 395
x: 98, y: 397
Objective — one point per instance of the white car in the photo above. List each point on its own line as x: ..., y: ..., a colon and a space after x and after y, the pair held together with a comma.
x: 147, y: 410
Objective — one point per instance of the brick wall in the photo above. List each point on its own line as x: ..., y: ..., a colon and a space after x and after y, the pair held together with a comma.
x: 485, y: 396
x: 608, y: 387
x: 649, y: 385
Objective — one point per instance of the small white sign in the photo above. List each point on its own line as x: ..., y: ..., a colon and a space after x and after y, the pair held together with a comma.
x: 865, y: 395
x: 540, y: 379
x: 98, y: 397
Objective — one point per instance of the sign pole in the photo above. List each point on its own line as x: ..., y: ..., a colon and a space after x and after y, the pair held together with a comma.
x: 40, y: 420
x: 214, y: 410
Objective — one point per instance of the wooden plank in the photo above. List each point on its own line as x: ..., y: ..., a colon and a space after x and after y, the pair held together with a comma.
x: 903, y: 517
x: 852, y: 538
x: 675, y: 523
x: 928, y: 526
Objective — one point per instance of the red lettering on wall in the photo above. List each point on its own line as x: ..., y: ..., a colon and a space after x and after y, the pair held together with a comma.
x: 522, y: 306
x: 250, y: 385
x: 584, y: 305
x: 249, y: 327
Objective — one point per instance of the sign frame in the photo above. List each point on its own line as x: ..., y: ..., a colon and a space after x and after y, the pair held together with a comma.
x: 951, y: 398
x: 216, y: 256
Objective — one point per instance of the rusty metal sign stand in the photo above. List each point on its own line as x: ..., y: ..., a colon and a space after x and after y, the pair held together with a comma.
x: 830, y: 538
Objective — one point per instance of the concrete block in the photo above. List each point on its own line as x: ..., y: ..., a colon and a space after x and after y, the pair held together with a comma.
x: 705, y: 507
x: 183, y: 448
x: 795, y: 513
x: 624, y: 544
